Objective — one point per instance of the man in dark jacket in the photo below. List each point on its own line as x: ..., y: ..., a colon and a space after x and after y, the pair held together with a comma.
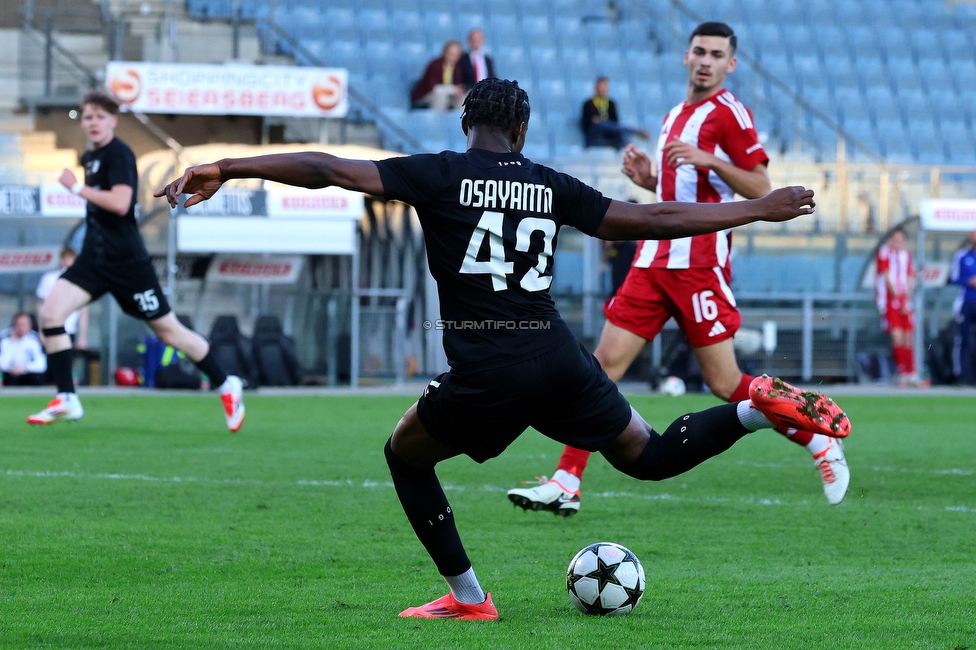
x: 475, y: 64
x: 601, y: 127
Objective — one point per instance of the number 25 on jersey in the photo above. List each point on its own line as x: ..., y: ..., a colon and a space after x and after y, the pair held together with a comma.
x: 490, y: 227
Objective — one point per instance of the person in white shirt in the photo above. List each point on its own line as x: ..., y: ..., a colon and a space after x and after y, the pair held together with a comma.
x: 76, y: 324
x: 22, y: 358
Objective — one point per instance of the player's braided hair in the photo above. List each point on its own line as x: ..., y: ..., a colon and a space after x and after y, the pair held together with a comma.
x: 497, y: 103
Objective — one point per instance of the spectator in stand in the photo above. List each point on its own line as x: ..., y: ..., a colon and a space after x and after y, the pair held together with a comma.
x: 22, y: 358
x: 77, y: 323
x: 601, y: 126
x: 441, y: 87
x: 475, y: 64
x: 963, y: 273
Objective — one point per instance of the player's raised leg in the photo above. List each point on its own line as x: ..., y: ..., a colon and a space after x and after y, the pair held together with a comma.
x: 695, y: 437
x: 616, y: 352
x: 65, y: 297
x: 411, y: 453
x: 721, y: 374
x: 172, y: 332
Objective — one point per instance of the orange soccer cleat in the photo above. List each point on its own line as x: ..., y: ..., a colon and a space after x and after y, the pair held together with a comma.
x: 786, y: 405
x: 448, y: 607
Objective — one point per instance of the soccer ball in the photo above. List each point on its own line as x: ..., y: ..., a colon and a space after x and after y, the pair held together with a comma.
x: 673, y: 386
x: 605, y: 579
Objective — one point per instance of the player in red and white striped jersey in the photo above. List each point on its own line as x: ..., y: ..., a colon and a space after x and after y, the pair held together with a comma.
x: 708, y: 151
x: 894, y: 286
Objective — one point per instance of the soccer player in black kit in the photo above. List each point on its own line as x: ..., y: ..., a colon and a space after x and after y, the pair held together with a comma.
x: 114, y: 260
x: 490, y: 219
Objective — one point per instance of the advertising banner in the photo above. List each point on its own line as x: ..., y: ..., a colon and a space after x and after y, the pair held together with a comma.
x: 57, y: 201
x: 29, y: 259
x: 948, y: 214
x: 255, y: 269
x: 198, y: 89
x: 326, y: 203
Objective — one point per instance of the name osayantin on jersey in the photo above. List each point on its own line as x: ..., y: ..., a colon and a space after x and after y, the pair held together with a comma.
x: 491, y: 221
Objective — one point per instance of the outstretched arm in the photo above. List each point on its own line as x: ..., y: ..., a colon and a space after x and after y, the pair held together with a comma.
x: 309, y: 169
x: 672, y: 220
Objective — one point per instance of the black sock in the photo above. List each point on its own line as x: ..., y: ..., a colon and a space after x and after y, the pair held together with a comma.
x: 690, y: 440
x: 59, y: 363
x: 212, y: 369
x: 429, y: 513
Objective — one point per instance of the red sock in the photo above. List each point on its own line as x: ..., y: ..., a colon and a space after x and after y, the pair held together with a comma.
x: 573, y: 461
x: 801, y: 438
x: 901, y: 362
x: 742, y: 392
x: 908, y: 359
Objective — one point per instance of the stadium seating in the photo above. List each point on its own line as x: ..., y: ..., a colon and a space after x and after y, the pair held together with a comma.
x: 835, y: 54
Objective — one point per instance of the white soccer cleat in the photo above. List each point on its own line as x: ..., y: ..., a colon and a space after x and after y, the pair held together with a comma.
x: 548, y: 495
x: 65, y: 406
x: 232, y: 397
x: 832, y: 466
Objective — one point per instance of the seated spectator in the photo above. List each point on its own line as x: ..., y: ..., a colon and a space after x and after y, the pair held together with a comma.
x: 22, y: 358
x: 441, y: 87
x: 76, y: 324
x: 475, y: 64
x: 601, y: 127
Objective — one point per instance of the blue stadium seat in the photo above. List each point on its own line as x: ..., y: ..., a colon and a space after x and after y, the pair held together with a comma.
x: 467, y: 21
x: 371, y: 18
x: 407, y: 22
x: 537, y: 28
x: 952, y: 114
x: 931, y: 153
x: 339, y: 17
x: 831, y: 41
x: 926, y: 43
x: 899, y: 152
x: 953, y: 41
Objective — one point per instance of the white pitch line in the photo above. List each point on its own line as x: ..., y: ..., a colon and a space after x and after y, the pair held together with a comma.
x: 370, y: 484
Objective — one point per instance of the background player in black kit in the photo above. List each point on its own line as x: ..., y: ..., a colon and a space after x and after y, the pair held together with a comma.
x: 114, y: 259
x: 490, y: 219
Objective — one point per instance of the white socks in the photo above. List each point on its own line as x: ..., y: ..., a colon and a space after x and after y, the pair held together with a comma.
x: 818, y: 443
x: 569, y: 481
x: 751, y: 418
x: 465, y: 588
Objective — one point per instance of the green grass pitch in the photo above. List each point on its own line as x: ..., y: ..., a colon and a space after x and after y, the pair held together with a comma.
x: 147, y: 525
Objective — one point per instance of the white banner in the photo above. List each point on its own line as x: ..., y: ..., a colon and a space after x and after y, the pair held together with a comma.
x: 57, y: 201
x: 263, y: 235
x: 199, y: 89
x: 948, y: 214
x: 326, y: 203
x: 255, y: 269
x: 934, y: 275
x: 31, y: 259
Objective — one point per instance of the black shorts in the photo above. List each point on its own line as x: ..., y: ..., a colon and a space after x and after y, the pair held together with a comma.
x: 133, y: 284
x: 563, y: 393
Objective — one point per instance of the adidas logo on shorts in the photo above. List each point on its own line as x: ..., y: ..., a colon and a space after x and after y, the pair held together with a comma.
x: 717, y: 329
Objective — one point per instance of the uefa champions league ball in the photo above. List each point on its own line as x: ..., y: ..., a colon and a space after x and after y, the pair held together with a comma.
x: 605, y: 579
x: 673, y: 386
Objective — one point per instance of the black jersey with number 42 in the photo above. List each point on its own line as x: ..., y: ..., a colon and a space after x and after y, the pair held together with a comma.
x: 490, y: 223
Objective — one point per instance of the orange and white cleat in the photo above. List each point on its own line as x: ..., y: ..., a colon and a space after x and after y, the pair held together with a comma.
x: 832, y: 466
x: 66, y: 406
x: 448, y: 607
x: 232, y: 397
x: 787, y: 406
